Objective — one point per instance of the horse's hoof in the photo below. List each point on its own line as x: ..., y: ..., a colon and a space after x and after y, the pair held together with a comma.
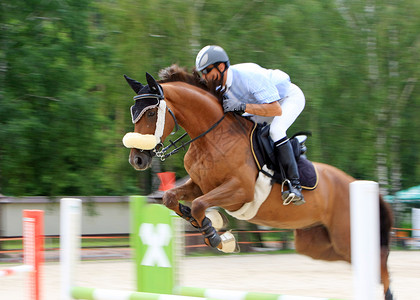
x: 217, y: 219
x: 388, y: 295
x: 229, y: 244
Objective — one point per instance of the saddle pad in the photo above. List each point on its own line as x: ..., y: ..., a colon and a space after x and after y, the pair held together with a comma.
x: 307, y: 173
x: 263, y: 186
x: 262, y: 190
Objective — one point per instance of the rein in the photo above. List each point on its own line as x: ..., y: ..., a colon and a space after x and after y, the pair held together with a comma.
x: 162, y: 153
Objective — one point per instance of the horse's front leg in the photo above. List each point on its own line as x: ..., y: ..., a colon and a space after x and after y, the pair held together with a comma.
x: 232, y: 192
x: 187, y: 192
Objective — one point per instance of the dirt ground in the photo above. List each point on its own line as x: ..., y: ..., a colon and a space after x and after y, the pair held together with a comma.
x: 288, y: 274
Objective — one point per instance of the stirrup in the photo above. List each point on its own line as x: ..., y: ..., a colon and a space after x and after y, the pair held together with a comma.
x: 286, y: 196
x: 290, y: 197
x: 299, y: 201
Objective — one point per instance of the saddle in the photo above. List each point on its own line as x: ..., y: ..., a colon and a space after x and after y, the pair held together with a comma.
x: 262, y: 147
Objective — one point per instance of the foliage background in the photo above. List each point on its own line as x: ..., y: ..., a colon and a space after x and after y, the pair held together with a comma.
x: 64, y: 103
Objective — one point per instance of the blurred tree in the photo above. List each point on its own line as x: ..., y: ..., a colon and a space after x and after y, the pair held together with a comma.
x: 50, y: 126
x: 64, y: 103
x: 387, y: 36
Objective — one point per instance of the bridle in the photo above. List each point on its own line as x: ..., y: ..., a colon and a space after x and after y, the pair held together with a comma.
x: 154, y: 142
x: 159, y: 98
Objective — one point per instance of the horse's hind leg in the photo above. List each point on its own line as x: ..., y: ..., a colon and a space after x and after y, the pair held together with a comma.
x: 385, y: 224
x: 384, y: 272
x: 315, y: 242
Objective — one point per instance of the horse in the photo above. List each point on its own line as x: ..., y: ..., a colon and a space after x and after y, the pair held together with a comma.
x: 223, y: 171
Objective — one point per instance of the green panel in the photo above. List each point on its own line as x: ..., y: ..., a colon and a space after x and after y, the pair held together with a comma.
x: 153, y: 232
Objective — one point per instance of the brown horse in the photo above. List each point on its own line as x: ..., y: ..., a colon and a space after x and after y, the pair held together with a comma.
x: 223, y: 171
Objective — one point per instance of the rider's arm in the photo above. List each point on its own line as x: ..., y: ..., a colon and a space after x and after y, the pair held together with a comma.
x: 266, y: 109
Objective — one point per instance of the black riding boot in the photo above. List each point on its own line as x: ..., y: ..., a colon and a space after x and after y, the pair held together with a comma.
x: 285, y: 156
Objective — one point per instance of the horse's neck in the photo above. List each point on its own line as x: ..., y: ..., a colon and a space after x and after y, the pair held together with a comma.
x: 195, y: 110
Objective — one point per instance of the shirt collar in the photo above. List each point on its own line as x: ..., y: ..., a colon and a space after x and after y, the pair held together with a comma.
x: 229, y: 78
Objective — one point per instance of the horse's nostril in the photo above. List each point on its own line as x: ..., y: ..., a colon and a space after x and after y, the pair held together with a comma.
x: 139, y: 161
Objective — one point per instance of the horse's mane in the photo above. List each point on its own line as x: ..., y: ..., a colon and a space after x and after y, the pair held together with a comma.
x: 177, y: 73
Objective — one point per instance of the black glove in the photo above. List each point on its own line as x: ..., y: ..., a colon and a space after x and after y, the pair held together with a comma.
x: 233, y: 105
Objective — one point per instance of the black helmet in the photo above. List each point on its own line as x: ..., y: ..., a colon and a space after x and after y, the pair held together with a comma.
x: 210, y: 55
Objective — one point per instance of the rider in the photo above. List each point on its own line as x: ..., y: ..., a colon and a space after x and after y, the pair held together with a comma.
x: 263, y: 94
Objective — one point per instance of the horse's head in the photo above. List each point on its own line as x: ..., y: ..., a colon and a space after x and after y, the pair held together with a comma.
x: 150, y: 125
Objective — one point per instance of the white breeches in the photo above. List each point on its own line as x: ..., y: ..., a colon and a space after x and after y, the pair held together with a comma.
x: 292, y: 105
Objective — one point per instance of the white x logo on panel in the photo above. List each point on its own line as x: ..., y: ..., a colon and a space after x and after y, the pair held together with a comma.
x: 155, y: 237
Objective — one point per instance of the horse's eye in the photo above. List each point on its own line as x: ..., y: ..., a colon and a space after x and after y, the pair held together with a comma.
x: 151, y: 113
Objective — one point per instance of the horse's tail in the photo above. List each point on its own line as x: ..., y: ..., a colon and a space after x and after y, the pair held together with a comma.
x: 386, y: 221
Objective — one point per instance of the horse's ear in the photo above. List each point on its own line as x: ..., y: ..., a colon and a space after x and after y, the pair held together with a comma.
x: 154, y: 85
x: 135, y: 85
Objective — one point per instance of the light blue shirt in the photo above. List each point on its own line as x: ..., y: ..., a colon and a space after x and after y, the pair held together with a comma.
x: 251, y: 83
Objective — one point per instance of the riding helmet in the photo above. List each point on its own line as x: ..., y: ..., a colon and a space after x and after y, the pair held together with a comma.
x: 210, y: 55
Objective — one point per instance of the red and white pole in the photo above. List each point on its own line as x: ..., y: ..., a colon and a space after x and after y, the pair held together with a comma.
x: 33, y: 241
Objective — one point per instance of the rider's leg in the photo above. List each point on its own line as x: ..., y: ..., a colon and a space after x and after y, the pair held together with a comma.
x: 291, y: 105
x: 285, y: 156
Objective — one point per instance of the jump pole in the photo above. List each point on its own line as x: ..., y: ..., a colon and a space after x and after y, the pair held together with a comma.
x: 365, y: 240
x: 33, y: 255
x: 108, y: 294
x: 240, y: 295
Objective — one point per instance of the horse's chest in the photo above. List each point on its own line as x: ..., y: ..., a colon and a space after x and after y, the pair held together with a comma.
x: 205, y: 170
